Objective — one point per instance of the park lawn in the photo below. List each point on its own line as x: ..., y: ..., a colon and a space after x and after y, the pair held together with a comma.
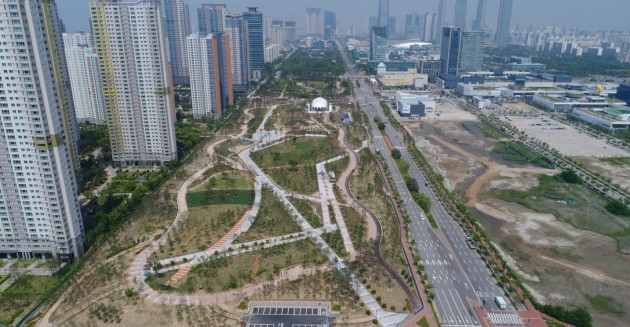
x: 3, y: 278
x: 300, y: 179
x: 272, y: 220
x: 588, y: 212
x: 233, y: 272
x: 3, y: 263
x: 220, y: 197
x: 204, y: 226
x: 338, y: 166
x: 22, y: 294
x: 355, y: 222
x: 309, y: 211
x: 335, y: 241
x: 22, y: 263
x: 47, y: 264
x: 156, y: 281
x: 299, y: 150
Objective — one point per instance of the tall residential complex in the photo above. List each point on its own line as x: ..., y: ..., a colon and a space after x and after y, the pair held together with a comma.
x: 428, y: 27
x: 210, y: 78
x: 440, y: 22
x: 177, y: 28
x: 235, y: 28
x: 211, y: 18
x: 314, y: 24
x: 503, y: 25
x: 289, y: 30
x: 480, y: 20
x: 461, y: 50
x: 255, y: 42
x: 84, y: 78
x: 450, y: 46
x: 330, y: 24
x: 461, y: 6
x: 39, y: 206
x: 131, y: 43
x: 378, y: 43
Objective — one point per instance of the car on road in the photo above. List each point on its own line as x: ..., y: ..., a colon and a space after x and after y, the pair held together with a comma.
x: 500, y: 302
x: 471, y: 243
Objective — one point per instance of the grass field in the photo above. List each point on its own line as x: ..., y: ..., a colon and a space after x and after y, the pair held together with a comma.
x: 205, y: 226
x: 219, y: 197
x: 355, y: 223
x: 335, y: 241
x: 259, y: 266
x: 300, y: 150
x: 588, y: 212
x: 512, y: 151
x: 617, y: 161
x: 25, y: 291
x: 301, y: 179
x: 308, y: 210
x: 605, y: 304
x: 22, y: 263
x: 272, y: 220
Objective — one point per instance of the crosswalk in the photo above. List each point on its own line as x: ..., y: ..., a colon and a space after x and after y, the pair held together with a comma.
x: 506, y: 319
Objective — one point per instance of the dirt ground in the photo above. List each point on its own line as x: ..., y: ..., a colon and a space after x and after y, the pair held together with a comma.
x: 559, y: 263
x: 619, y: 173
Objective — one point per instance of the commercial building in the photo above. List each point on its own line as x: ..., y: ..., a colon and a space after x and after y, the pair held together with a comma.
x: 177, y: 17
x: 431, y: 68
x: 136, y: 80
x: 255, y: 43
x: 623, y: 93
x: 212, y: 18
x: 330, y: 24
x: 289, y: 31
x: 84, y: 78
x: 413, y: 106
x: 503, y: 24
x: 383, y: 12
x: 471, y: 51
x: 428, y: 29
x: 480, y: 20
x: 440, y: 22
x: 314, y: 23
x: 378, y: 43
x: 461, y: 51
x: 210, y: 76
x: 39, y: 206
x: 570, y: 100
x: 408, y: 79
x: 461, y: 6
x: 450, y: 49
x: 610, y: 118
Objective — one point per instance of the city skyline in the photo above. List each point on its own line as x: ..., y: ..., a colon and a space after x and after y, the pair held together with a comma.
x: 535, y: 12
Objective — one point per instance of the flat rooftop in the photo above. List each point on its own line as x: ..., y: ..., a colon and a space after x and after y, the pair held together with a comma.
x: 288, y: 313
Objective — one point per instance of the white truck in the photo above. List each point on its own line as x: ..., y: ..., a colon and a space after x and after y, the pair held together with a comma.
x: 500, y: 302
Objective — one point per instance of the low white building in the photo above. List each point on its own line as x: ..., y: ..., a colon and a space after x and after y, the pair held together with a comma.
x: 319, y: 105
x: 411, y: 105
x: 615, y: 117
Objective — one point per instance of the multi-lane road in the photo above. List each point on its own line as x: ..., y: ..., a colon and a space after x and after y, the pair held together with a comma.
x: 458, y: 275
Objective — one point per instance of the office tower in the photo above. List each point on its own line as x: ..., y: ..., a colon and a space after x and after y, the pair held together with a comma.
x: 503, y: 25
x: 480, y: 20
x: 412, y: 26
x: 450, y: 45
x: 289, y: 30
x: 131, y: 44
x: 330, y: 24
x: 391, y: 26
x: 471, y: 51
x: 314, y: 22
x: 235, y: 28
x: 378, y: 43
x: 441, y: 20
x: 39, y: 211
x: 211, y: 18
x: 428, y: 27
x: 210, y: 76
x: 460, y: 13
x: 255, y: 42
x: 84, y: 79
x: 177, y: 28
x: 383, y: 12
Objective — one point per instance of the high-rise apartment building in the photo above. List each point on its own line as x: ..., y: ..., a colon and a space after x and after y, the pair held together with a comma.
x: 330, y: 24
x: 212, y: 18
x: 255, y: 42
x: 84, y: 78
x: 440, y: 22
x: 131, y: 44
x: 289, y: 30
x: 461, y: 6
x: 503, y: 25
x: 450, y: 46
x: 177, y: 17
x: 314, y: 23
x: 428, y: 27
x: 277, y: 35
x: 39, y: 206
x: 210, y: 76
x: 235, y: 28
x: 378, y: 43
x: 480, y: 20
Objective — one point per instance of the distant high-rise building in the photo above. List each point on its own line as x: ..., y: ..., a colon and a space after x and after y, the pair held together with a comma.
x: 428, y: 27
x: 391, y: 26
x: 441, y: 20
x: 84, y: 78
x: 383, y: 12
x: 211, y: 18
x: 503, y: 25
x: 378, y: 43
x: 314, y: 22
x: 210, y: 76
x: 461, y: 6
x: 289, y: 30
x: 412, y: 26
x: 177, y: 17
x: 277, y: 35
x: 471, y: 51
x: 450, y: 46
x: 330, y: 24
x: 235, y: 27
x: 480, y: 20
x: 136, y: 80
x: 40, y: 211
x: 255, y: 42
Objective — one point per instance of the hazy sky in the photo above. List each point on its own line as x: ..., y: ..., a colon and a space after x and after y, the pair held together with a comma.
x: 585, y: 14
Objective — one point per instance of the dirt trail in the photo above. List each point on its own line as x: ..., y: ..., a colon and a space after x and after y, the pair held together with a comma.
x: 583, y: 270
x: 255, y: 267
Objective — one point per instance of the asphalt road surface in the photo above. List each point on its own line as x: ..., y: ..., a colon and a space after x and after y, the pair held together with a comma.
x: 459, y: 276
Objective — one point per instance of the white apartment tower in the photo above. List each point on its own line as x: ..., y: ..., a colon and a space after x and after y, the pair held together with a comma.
x: 84, y: 79
x: 235, y: 27
x: 131, y: 44
x: 39, y: 207
x: 177, y: 28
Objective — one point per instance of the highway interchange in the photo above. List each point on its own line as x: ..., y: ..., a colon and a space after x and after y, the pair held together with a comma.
x: 459, y: 276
